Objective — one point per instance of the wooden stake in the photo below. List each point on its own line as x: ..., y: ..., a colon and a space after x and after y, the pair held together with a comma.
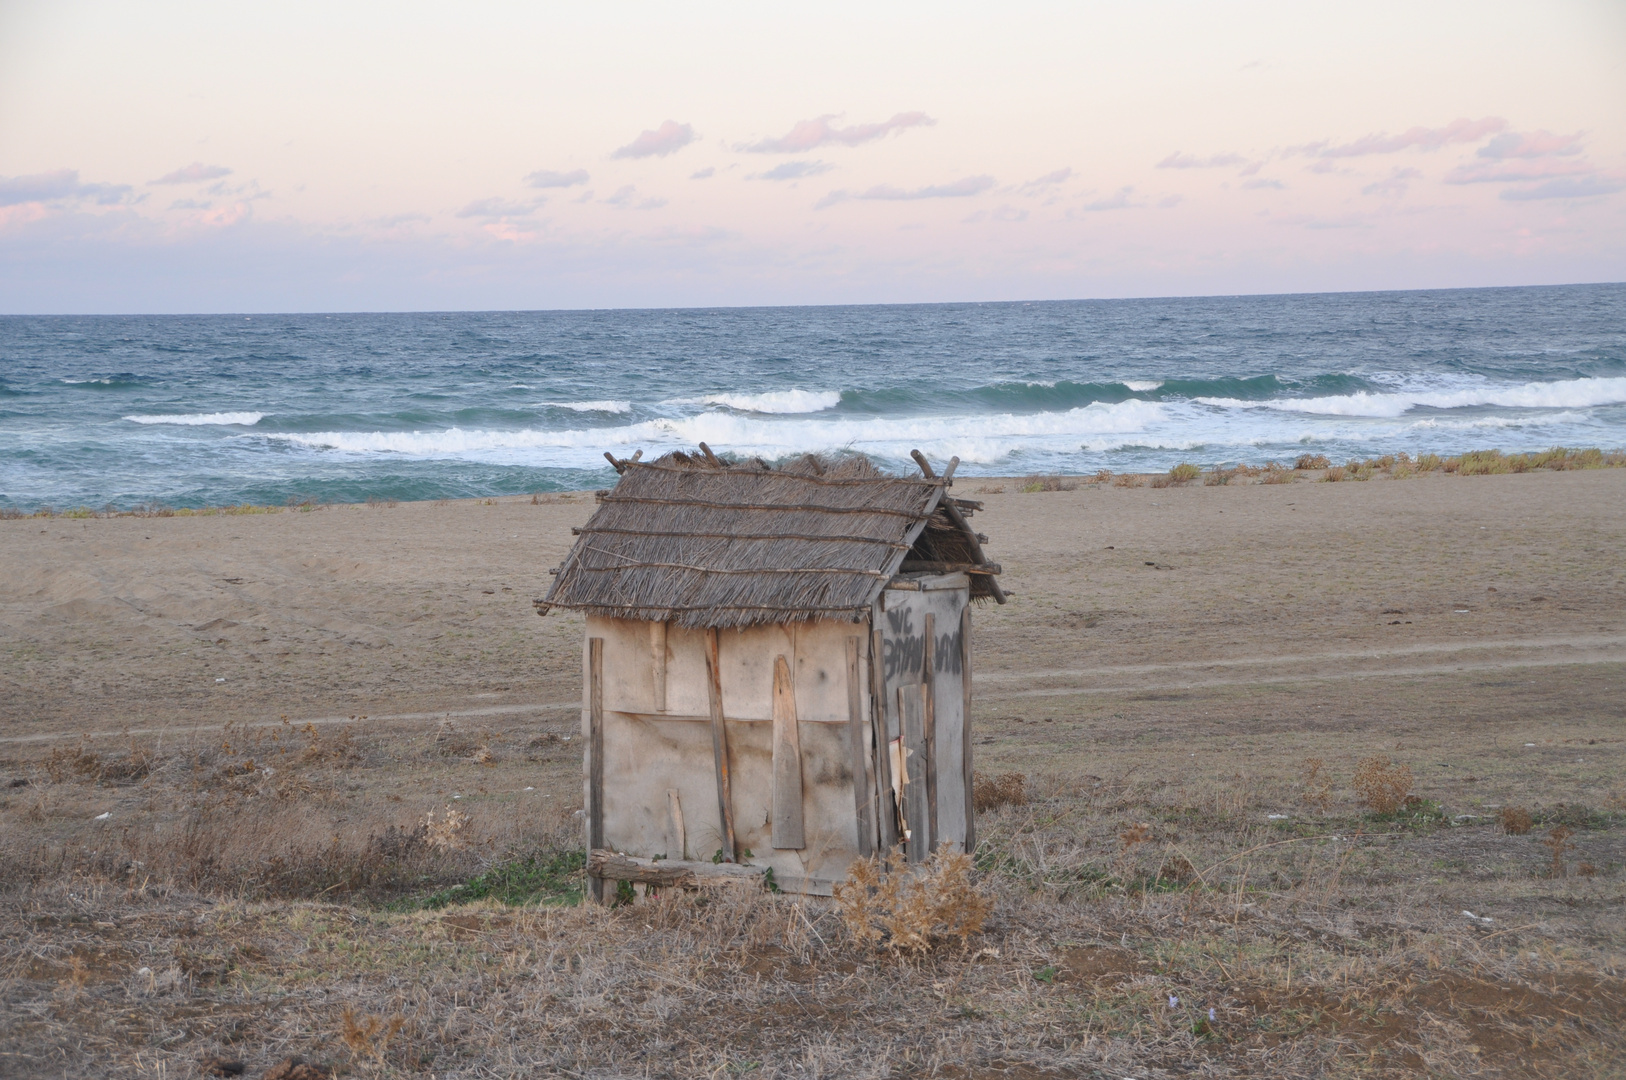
x: 595, y: 753
x: 886, y: 800
x: 719, y: 748
x: 863, y: 778
x: 674, y: 807
x: 965, y: 728
x: 928, y: 727
x: 787, y: 761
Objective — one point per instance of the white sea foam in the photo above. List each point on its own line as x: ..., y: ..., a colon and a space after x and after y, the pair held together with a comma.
x: 589, y: 406
x: 1143, y: 386
x: 243, y: 419
x: 778, y: 401
x: 1561, y: 394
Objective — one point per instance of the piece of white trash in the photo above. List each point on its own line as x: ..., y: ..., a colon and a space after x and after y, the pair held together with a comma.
x: 1174, y: 1002
x: 1211, y: 1016
x: 221, y: 679
x: 102, y: 817
x: 530, y: 789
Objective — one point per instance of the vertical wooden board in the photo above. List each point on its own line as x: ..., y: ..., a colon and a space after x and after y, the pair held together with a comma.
x: 965, y: 729
x: 787, y: 761
x: 657, y: 656
x: 595, y: 751
x: 917, y: 817
x: 863, y: 779
x: 678, y: 846
x: 928, y: 689
x: 886, y: 796
x: 719, y: 749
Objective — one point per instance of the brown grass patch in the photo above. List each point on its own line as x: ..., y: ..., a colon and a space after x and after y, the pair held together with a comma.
x: 1381, y: 784
x: 1515, y: 820
x: 989, y: 793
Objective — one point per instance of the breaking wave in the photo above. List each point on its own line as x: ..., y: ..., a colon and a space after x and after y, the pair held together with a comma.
x: 242, y: 419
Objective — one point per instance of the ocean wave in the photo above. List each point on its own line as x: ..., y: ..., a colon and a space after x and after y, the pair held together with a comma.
x: 777, y: 401
x: 588, y: 406
x: 1142, y: 386
x: 1563, y: 394
x: 974, y: 438
x: 241, y: 419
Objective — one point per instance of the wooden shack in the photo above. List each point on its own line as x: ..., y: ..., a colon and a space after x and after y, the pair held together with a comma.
x: 777, y: 668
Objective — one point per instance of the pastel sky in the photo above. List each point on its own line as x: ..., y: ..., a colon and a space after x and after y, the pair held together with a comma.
x: 174, y: 156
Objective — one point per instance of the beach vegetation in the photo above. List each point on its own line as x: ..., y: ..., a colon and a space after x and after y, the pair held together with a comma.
x: 1128, y: 480
x: 1032, y: 484
x: 1184, y: 473
x: 1218, y: 476
x: 1312, y: 461
x: 1274, y: 473
x: 1333, y: 475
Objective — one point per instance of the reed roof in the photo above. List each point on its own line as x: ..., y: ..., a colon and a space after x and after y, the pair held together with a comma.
x: 700, y: 542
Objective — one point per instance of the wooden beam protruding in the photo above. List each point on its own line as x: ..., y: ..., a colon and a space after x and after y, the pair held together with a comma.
x: 885, y: 798
x: 965, y: 729
x: 917, y: 811
x: 787, y: 761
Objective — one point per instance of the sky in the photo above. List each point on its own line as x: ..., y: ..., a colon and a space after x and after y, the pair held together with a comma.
x: 341, y: 156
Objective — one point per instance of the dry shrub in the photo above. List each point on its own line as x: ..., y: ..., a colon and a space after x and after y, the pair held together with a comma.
x: 1103, y: 476
x: 1185, y: 472
x: 911, y: 911
x: 1275, y: 474
x: 1312, y: 461
x: 447, y: 833
x: 1382, y: 784
x: 1161, y: 480
x: 1559, y: 843
x: 1127, y: 480
x: 336, y: 749
x: 992, y: 792
x: 368, y: 1036
x: 1177, y: 868
x: 66, y: 762
x: 1217, y: 477
x: 296, y: 1068
x: 1317, y: 784
x: 1031, y: 484
x: 1516, y: 820
x: 1333, y: 475
x: 1586, y: 869
x: 1133, y: 836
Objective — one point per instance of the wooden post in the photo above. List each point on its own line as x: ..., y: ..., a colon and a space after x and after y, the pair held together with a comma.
x: 917, y: 811
x: 965, y: 728
x: 863, y: 780
x: 719, y: 748
x: 886, y: 801
x: 787, y: 761
x: 657, y: 653
x: 928, y: 697
x: 595, y: 754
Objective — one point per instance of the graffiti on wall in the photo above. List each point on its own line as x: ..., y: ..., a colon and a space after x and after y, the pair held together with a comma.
x: 904, y: 647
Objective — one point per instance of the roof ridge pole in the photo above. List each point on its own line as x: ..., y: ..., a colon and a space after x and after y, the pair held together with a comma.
x: 959, y: 519
x: 711, y: 458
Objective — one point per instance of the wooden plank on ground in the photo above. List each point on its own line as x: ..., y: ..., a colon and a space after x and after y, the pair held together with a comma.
x: 603, y: 865
x: 595, y: 751
x: 863, y: 780
x: 787, y: 761
x: 916, y: 810
x: 965, y: 728
x: 719, y: 748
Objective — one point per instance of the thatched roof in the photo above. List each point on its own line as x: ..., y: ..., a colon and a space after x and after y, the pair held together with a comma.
x: 700, y: 542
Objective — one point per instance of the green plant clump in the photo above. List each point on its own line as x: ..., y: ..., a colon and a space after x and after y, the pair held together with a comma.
x: 542, y: 878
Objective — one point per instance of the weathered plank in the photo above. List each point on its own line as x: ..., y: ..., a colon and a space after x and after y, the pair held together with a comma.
x: 917, y: 811
x: 603, y: 865
x: 719, y: 749
x: 928, y: 693
x: 787, y: 761
x: 863, y: 779
x: 965, y: 728
x: 595, y: 751
x: 886, y: 801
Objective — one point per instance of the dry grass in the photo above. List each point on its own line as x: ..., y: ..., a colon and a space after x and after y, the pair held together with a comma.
x: 1030, y: 484
x: 989, y: 793
x: 908, y: 910
x: 1515, y: 820
x: 1312, y: 461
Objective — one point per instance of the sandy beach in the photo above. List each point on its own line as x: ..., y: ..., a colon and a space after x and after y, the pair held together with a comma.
x: 1171, y: 660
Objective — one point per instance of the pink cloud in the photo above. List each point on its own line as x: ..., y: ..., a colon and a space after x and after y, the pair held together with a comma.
x: 1518, y: 144
x: 1483, y: 172
x: 807, y: 134
x: 548, y: 178
x: 1417, y: 138
x: 195, y: 173
x: 1569, y: 187
x: 1178, y: 160
x: 59, y: 185
x: 955, y: 189
x: 669, y: 138
x: 1048, y: 179
x: 1394, y: 185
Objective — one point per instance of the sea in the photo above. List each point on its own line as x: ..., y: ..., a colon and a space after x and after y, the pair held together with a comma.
x: 192, y: 411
